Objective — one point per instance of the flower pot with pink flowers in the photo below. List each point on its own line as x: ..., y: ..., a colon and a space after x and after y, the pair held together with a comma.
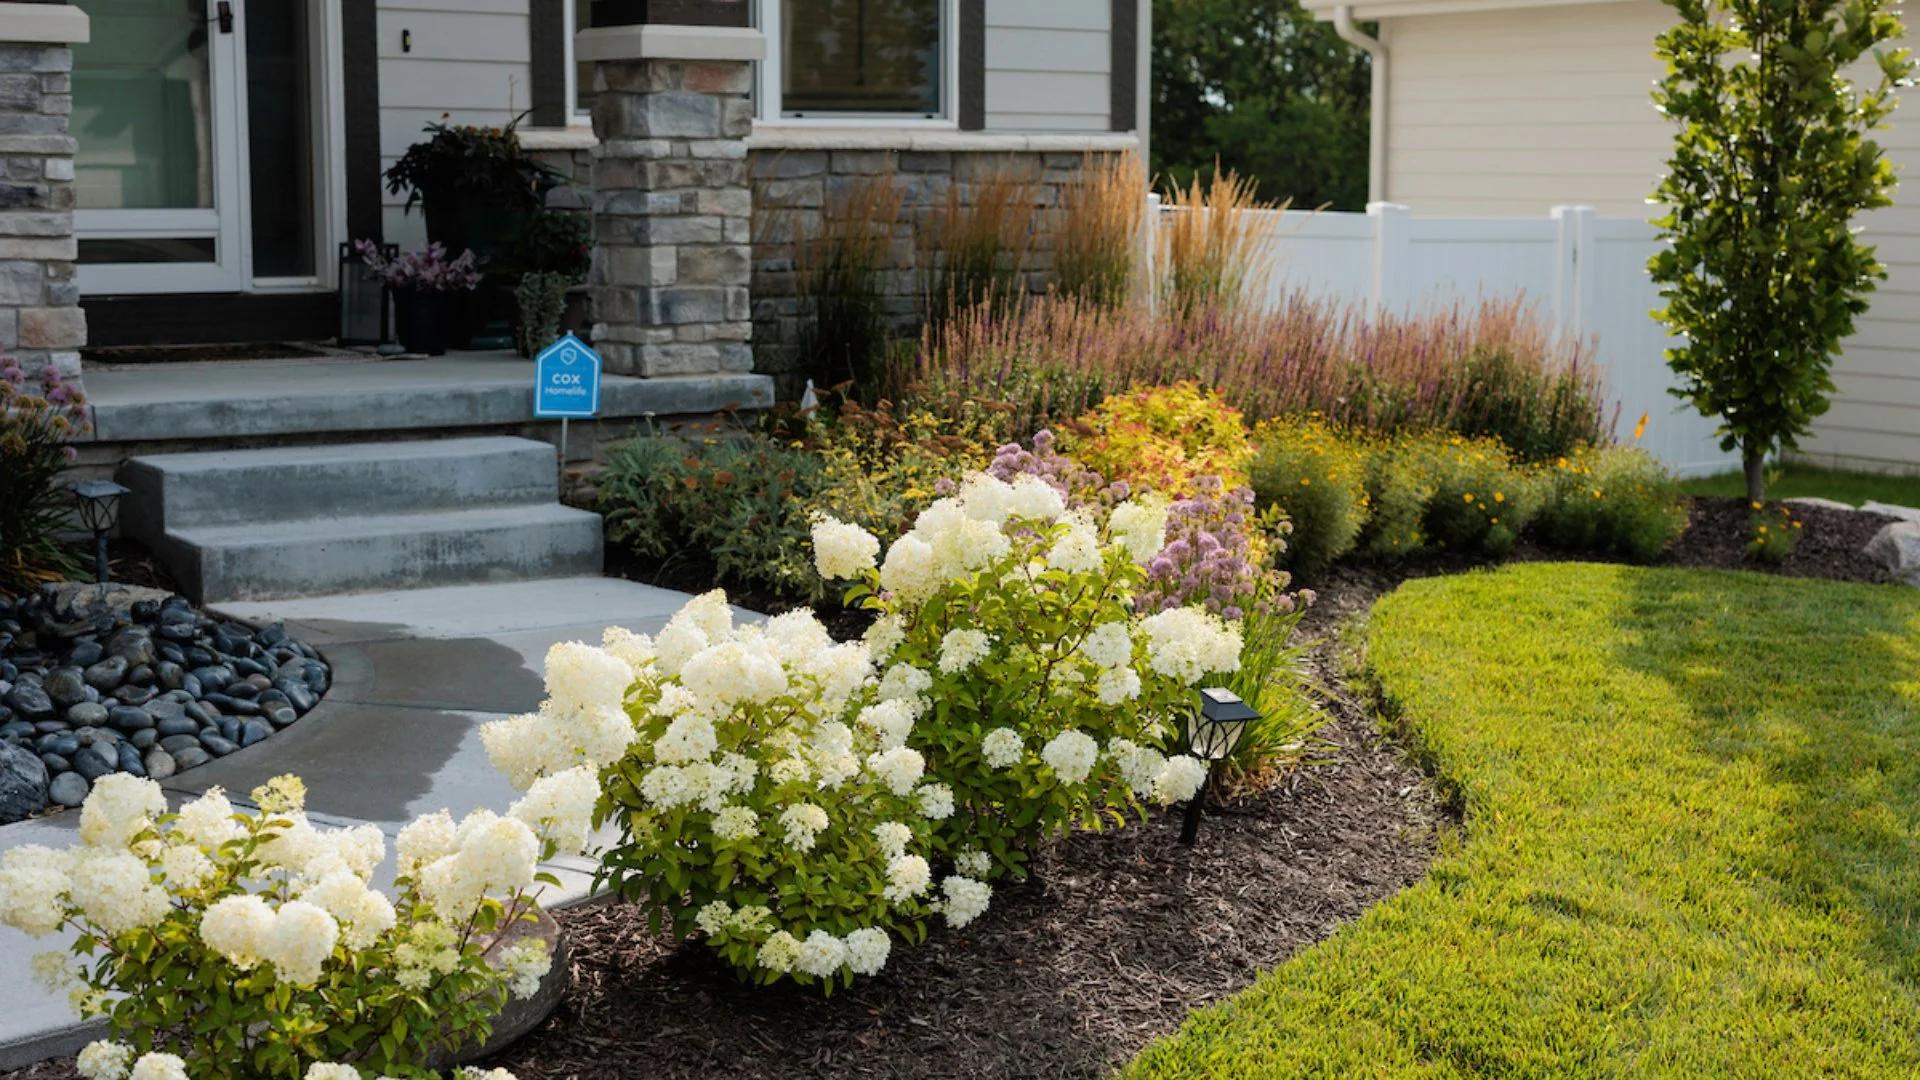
x: 421, y: 282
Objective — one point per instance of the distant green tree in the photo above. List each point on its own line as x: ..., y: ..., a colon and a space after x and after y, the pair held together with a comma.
x: 1763, y: 273
x: 1265, y: 89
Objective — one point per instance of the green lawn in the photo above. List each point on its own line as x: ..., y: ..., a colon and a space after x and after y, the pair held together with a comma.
x: 1692, y: 842
x: 1799, y: 480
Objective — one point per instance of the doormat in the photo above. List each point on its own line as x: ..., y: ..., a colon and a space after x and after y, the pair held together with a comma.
x: 117, y: 355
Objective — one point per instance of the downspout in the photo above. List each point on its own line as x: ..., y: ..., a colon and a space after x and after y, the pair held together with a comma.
x: 1376, y: 103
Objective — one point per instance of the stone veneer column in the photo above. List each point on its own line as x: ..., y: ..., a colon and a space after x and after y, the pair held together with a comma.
x: 40, y: 318
x: 672, y: 230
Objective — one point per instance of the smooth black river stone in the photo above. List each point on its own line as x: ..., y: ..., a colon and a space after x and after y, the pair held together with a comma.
x: 141, y: 676
x: 190, y: 757
x: 217, y: 745
x: 254, y: 731
x: 171, y: 653
x: 69, y: 789
x: 229, y: 728
x: 244, y: 666
x: 87, y: 713
x: 96, y: 736
x: 133, y: 695
x: 270, y: 698
x: 18, y: 728
x: 178, y: 725
x: 199, y: 656
x: 93, y: 763
x: 107, y: 674
x: 181, y: 632
x: 130, y: 761
x: 170, y: 675
x: 192, y: 685
x: 173, y: 744
x: 144, y: 738
x: 55, y: 763
x: 65, y: 687
x: 243, y: 707
x: 243, y: 690
x: 203, y: 711
x: 144, y: 611
x: 86, y: 654
x: 23, y: 784
x: 161, y: 708
x: 58, y: 742
x: 130, y: 718
x: 134, y: 645
x: 160, y: 764
x: 213, y: 677
x: 282, y: 715
x: 273, y: 634
x: 29, y: 702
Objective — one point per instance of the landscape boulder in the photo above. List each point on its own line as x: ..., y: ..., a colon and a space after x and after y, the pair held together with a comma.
x: 1897, y: 547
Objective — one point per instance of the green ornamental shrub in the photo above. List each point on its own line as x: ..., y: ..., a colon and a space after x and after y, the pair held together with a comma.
x: 1015, y: 661
x: 1614, y: 500
x: 1317, y: 478
x: 1482, y: 500
x: 39, y: 420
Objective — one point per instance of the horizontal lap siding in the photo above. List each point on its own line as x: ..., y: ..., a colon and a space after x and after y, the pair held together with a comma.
x: 1048, y: 65
x: 469, y: 61
x: 1508, y: 114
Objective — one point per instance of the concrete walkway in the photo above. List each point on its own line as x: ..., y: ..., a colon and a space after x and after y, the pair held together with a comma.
x: 416, y: 673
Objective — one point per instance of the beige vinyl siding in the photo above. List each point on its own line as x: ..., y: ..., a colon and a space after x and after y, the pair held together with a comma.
x: 1048, y: 65
x: 1511, y: 113
x: 470, y: 60
x: 1515, y: 112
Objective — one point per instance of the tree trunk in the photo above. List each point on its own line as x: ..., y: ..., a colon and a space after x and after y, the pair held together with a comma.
x: 1754, y: 460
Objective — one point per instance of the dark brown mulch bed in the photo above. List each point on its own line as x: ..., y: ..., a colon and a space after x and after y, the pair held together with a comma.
x: 1830, y: 543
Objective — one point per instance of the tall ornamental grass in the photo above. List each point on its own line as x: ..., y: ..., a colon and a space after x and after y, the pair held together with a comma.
x: 1097, y: 240
x: 1486, y: 369
x: 1207, y: 243
x: 973, y: 250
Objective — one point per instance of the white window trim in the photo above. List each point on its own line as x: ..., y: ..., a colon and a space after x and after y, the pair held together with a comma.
x: 577, y: 114
x: 767, y: 104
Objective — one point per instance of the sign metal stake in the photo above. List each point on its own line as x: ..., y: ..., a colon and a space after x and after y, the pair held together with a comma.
x: 566, y: 384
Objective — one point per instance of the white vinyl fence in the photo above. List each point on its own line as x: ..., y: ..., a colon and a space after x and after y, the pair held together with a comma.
x: 1584, y: 273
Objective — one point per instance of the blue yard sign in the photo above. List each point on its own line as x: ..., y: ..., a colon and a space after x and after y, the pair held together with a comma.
x: 566, y: 380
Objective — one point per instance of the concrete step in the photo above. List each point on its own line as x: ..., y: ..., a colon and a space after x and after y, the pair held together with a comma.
x: 384, y: 551
x: 235, y: 487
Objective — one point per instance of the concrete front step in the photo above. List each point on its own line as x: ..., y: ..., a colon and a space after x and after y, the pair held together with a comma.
x: 237, y: 487
x: 385, y: 551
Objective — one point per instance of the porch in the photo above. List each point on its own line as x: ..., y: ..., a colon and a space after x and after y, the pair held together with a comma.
x: 351, y: 397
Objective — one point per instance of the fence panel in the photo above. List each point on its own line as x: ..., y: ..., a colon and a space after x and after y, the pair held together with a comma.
x: 1587, y: 276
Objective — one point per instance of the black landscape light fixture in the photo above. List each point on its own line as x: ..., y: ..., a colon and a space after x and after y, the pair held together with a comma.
x: 1214, y: 731
x: 99, y: 502
x: 365, y: 316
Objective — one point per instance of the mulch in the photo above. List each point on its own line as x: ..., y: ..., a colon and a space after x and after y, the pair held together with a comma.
x: 1117, y: 936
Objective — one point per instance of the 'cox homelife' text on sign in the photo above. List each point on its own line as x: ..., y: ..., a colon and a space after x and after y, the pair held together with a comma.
x: 566, y: 380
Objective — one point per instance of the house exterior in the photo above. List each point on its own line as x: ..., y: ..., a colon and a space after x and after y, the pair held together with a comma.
x: 225, y: 149
x: 1507, y: 108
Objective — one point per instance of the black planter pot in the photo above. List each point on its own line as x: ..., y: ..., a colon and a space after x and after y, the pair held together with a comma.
x: 420, y: 320
x: 491, y: 228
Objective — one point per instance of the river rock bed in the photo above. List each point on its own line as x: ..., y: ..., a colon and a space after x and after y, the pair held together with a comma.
x: 134, y: 680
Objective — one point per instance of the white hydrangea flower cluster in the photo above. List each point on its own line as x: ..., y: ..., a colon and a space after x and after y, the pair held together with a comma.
x: 270, y: 889
x: 841, y: 550
x: 1188, y: 644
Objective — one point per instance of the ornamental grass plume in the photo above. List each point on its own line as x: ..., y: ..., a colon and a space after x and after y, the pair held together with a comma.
x: 214, y: 941
x: 1208, y: 236
x: 840, y: 267
x: 1098, y: 230
x: 973, y: 247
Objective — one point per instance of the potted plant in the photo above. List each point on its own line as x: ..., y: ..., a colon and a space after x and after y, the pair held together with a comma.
x: 421, y: 282
x: 478, y: 191
x: 552, y: 262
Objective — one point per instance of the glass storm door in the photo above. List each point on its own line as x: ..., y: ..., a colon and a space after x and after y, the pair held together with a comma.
x: 158, y: 176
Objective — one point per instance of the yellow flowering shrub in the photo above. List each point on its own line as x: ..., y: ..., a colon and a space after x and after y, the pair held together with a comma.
x: 1165, y: 437
x: 1773, y: 532
x: 1316, y: 476
x: 1450, y: 493
x: 1612, y: 500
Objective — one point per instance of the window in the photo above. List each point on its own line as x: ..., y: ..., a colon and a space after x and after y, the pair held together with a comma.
x: 579, y: 73
x: 852, y: 59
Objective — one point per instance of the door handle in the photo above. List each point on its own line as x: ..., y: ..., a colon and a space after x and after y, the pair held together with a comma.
x: 225, y: 16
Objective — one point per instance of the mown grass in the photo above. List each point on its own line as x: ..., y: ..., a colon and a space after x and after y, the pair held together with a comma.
x: 1691, y: 845
x: 1799, y: 480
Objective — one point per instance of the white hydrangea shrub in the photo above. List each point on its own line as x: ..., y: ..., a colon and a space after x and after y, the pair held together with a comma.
x: 270, y: 922
x: 762, y: 787
x: 1009, y: 643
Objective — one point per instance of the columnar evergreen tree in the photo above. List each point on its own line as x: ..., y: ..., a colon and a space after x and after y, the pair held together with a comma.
x: 1764, y: 274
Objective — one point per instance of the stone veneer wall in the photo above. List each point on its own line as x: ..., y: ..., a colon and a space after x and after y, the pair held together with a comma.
x: 40, y: 318
x: 672, y: 221
x: 791, y: 185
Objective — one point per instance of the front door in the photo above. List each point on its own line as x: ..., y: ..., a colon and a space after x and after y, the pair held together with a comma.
x: 195, y: 167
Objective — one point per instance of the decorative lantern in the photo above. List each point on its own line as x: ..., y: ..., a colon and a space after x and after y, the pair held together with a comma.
x: 1214, y: 732
x: 99, y: 502
x: 364, y: 312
